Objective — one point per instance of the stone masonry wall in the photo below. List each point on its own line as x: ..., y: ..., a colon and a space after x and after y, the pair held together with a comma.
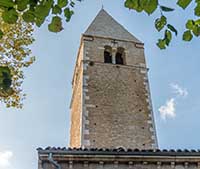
x: 116, y: 104
x: 76, y: 103
x: 123, y: 165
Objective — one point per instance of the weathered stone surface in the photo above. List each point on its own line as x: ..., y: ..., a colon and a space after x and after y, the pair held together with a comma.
x: 79, y: 159
x: 76, y: 103
x: 113, y: 165
x: 112, y: 106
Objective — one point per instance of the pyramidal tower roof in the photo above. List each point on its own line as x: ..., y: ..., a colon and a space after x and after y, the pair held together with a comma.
x: 105, y: 26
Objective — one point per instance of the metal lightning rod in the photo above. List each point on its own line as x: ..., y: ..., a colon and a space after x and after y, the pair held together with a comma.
x: 102, y: 7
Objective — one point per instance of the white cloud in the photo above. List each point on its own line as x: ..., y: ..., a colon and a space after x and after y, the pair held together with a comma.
x: 5, y: 158
x: 178, y: 90
x: 168, y: 110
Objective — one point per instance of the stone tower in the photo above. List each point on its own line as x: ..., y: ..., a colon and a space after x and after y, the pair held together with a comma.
x: 111, y: 105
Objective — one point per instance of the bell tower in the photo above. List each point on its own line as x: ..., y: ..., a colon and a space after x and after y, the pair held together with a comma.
x: 111, y: 104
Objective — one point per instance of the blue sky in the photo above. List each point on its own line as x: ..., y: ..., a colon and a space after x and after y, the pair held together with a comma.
x: 44, y: 120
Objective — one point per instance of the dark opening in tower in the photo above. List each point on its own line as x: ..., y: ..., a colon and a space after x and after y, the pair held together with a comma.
x: 107, y: 54
x: 120, y: 56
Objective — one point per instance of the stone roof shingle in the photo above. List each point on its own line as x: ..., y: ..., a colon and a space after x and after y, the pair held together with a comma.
x: 105, y: 26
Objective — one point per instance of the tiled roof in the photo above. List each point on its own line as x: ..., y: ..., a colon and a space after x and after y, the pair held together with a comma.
x: 119, y: 151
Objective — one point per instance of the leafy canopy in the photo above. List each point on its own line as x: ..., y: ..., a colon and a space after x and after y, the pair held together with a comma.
x: 161, y: 23
x: 36, y: 11
x: 14, y: 57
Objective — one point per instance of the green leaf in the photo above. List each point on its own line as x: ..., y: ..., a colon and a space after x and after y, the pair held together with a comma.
x: 6, y: 93
x: 151, y: 6
x: 1, y: 34
x: 133, y: 4
x: 184, y: 3
x: 22, y: 4
x: 72, y: 4
x: 160, y: 23
x: 6, y: 83
x: 172, y: 29
x: 39, y: 21
x: 190, y: 24
x: 28, y: 16
x: 62, y: 3
x: 142, y: 3
x: 56, y: 10
x: 130, y: 4
x: 42, y: 11
x: 139, y: 5
x: 168, y: 37
x: 196, y: 31
x: 5, y: 78
x: 161, y: 44
x: 68, y: 14
x: 7, y: 3
x: 197, y: 10
x: 10, y: 16
x: 6, y: 70
x: 166, y: 9
x: 56, y: 24
x: 197, y: 22
x: 187, y: 35
x: 32, y: 4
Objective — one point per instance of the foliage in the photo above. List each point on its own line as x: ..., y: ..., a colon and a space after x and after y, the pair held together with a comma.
x: 16, y: 18
x: 36, y: 11
x: 161, y: 23
x: 14, y: 57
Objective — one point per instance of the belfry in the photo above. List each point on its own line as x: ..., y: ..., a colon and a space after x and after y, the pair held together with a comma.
x: 112, y: 122
x: 111, y: 105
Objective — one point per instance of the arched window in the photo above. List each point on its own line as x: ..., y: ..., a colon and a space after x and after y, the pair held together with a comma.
x: 120, y: 56
x: 107, y: 54
x: 119, y: 59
